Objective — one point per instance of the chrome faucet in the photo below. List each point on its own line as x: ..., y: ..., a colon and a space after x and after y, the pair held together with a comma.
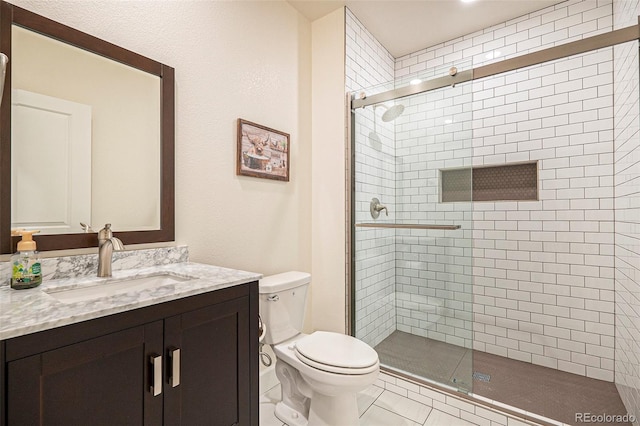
x: 107, y: 243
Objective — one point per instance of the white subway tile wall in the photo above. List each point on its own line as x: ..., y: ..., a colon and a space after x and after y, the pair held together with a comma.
x: 544, y: 269
x: 627, y: 209
x: 434, y: 291
x: 370, y: 66
x: 568, y: 21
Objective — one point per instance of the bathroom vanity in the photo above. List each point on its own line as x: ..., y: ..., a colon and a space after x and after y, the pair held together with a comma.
x: 183, y: 352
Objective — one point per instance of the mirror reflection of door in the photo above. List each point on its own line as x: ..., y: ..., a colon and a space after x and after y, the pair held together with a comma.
x: 51, y: 163
x: 124, y: 140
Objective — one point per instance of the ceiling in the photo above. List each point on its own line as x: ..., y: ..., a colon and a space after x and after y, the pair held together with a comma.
x: 406, y: 26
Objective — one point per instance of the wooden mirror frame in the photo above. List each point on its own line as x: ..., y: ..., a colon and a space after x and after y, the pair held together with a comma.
x: 9, y: 15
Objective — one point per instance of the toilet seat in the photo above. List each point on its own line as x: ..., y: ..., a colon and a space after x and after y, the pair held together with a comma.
x: 336, y: 353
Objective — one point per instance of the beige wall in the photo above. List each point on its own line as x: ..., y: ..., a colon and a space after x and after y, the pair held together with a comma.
x: 241, y: 59
x: 248, y: 60
x: 328, y: 173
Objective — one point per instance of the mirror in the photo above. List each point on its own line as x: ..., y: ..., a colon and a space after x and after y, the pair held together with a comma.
x: 102, y: 150
x: 72, y: 138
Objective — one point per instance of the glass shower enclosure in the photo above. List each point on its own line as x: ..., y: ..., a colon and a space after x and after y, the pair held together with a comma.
x: 411, y: 235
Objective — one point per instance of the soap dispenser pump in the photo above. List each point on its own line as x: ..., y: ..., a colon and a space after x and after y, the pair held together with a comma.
x: 26, y: 271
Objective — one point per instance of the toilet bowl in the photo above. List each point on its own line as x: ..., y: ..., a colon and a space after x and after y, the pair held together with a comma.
x: 320, y: 373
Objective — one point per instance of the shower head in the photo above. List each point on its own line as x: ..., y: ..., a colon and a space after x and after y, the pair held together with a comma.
x: 3, y: 68
x: 374, y: 139
x: 391, y: 113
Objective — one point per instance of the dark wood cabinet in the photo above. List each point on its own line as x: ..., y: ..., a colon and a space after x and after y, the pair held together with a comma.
x: 80, y: 384
x: 210, y: 347
x: 100, y: 372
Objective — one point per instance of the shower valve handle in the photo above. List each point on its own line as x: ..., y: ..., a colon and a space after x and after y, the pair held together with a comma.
x: 381, y: 207
x: 375, y: 208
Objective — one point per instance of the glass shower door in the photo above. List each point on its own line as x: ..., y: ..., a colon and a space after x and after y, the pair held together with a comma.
x: 411, y: 255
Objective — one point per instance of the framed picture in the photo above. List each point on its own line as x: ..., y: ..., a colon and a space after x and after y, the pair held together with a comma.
x: 262, y: 152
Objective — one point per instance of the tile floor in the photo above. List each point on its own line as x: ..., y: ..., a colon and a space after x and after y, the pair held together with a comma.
x: 547, y: 392
x: 377, y: 407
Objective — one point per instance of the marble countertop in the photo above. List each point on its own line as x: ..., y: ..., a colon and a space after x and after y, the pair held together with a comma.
x: 31, y: 310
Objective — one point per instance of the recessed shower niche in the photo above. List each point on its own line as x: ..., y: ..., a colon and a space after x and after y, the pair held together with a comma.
x: 508, y: 182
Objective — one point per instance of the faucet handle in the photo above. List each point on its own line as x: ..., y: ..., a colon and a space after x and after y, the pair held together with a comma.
x: 116, y: 243
x: 105, y: 233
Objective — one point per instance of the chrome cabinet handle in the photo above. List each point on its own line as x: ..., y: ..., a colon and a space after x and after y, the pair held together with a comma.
x: 156, y: 383
x: 174, y: 378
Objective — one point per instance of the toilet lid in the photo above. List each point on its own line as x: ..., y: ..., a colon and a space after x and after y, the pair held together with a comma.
x: 338, y: 350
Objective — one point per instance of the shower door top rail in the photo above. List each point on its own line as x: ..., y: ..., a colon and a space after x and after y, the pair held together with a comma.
x: 584, y: 45
x: 407, y: 226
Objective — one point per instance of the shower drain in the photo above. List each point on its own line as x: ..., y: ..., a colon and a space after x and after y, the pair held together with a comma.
x: 481, y: 377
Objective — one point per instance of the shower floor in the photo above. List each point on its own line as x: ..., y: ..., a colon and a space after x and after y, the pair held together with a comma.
x: 551, y: 393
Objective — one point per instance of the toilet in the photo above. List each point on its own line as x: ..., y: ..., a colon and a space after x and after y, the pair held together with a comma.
x: 319, y: 373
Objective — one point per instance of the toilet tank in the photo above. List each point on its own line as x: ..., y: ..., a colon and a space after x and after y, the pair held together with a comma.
x: 283, y: 299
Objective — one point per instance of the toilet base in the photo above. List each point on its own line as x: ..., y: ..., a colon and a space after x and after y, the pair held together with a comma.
x: 334, y: 410
x: 324, y: 411
x: 289, y: 416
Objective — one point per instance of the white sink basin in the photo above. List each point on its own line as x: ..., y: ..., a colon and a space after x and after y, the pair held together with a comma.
x: 113, y: 286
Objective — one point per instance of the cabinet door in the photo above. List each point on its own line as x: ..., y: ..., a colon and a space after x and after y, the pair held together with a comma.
x: 101, y: 381
x: 214, y: 386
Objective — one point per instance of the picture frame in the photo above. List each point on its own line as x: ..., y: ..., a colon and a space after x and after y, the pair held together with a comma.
x: 262, y: 152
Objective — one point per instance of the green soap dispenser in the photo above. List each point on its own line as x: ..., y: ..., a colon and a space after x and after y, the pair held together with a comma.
x: 26, y: 271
